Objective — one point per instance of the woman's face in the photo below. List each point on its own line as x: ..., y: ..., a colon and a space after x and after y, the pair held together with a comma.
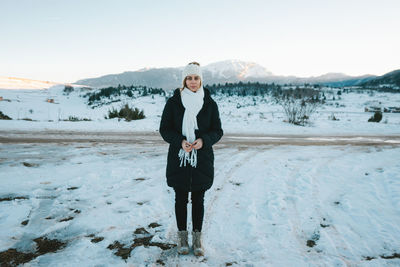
x: 193, y: 82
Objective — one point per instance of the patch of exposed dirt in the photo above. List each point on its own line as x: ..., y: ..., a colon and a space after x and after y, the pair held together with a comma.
x: 27, y: 164
x: 66, y: 219
x: 12, y: 198
x: 72, y: 188
x: 314, y: 238
x: 141, y: 238
x: 154, y: 225
x: 387, y: 257
x: 13, y: 257
x: 95, y: 239
x: 393, y: 256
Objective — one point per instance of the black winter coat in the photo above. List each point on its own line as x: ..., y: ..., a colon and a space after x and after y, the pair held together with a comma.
x: 190, y: 178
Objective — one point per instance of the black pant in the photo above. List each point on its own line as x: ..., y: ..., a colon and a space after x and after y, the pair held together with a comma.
x: 181, y: 200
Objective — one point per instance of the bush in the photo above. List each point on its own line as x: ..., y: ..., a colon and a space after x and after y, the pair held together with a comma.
x: 73, y: 118
x: 333, y: 117
x: 376, y: 118
x: 68, y: 89
x: 298, y: 104
x: 4, y: 116
x: 126, y: 113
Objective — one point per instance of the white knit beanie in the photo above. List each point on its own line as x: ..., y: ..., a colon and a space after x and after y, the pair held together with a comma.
x: 191, y: 69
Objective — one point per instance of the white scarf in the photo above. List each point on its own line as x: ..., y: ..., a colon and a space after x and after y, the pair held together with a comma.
x: 193, y: 102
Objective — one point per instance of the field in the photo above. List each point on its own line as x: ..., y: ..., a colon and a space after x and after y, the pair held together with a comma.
x: 103, y: 203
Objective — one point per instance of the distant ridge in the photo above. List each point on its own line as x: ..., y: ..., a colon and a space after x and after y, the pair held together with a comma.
x: 22, y: 83
x: 218, y: 72
x: 390, y: 78
x: 227, y: 71
x: 14, y: 83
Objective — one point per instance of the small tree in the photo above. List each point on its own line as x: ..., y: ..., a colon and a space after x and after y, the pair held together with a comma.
x: 376, y: 118
x: 299, y: 104
x: 68, y: 89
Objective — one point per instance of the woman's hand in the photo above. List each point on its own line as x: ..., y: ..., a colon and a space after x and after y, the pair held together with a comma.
x: 198, y: 143
x: 186, y: 146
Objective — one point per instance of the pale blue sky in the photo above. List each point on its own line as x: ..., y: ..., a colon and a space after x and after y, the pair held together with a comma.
x: 67, y: 40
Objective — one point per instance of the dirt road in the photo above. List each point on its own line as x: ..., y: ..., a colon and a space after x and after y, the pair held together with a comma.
x: 227, y: 140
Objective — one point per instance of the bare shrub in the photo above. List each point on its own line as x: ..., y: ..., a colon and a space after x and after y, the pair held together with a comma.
x: 299, y: 104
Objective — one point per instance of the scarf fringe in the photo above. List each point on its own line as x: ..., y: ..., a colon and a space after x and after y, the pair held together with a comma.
x: 190, y: 157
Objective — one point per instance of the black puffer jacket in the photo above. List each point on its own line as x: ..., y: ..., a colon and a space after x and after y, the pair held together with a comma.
x: 191, y: 178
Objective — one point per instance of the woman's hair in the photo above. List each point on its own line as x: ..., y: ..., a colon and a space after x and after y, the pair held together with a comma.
x: 184, y: 80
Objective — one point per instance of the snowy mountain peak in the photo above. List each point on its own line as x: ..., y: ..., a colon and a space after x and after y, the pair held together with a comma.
x: 144, y: 69
x: 333, y: 75
x: 236, y: 68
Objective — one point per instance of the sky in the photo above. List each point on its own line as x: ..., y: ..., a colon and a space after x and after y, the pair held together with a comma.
x: 68, y: 40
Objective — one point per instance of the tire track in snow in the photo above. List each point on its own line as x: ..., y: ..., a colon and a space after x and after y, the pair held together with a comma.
x: 223, y: 176
x: 334, y: 236
x: 331, y: 232
x: 257, y: 207
x: 338, y: 241
x: 209, y: 210
x: 293, y: 214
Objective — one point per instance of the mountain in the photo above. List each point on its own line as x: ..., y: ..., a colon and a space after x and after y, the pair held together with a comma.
x: 340, y: 79
x: 218, y: 72
x: 22, y: 83
x: 154, y: 77
x: 390, y: 79
x: 227, y: 71
x: 231, y: 69
x: 170, y: 78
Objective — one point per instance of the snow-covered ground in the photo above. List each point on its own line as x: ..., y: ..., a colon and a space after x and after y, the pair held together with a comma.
x: 98, y: 195
x: 255, y: 115
x: 269, y: 205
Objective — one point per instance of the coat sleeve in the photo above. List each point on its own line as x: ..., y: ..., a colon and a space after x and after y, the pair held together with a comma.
x: 216, y: 132
x: 167, y: 130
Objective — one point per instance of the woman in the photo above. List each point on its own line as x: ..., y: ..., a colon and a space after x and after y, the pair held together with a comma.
x: 190, y: 123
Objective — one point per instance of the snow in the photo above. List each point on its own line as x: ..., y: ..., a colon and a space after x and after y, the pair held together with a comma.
x: 270, y: 205
x: 265, y: 204
x: 230, y: 68
x: 238, y: 114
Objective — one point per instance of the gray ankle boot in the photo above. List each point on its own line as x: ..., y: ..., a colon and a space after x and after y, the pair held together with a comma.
x: 183, y: 245
x: 197, y: 247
